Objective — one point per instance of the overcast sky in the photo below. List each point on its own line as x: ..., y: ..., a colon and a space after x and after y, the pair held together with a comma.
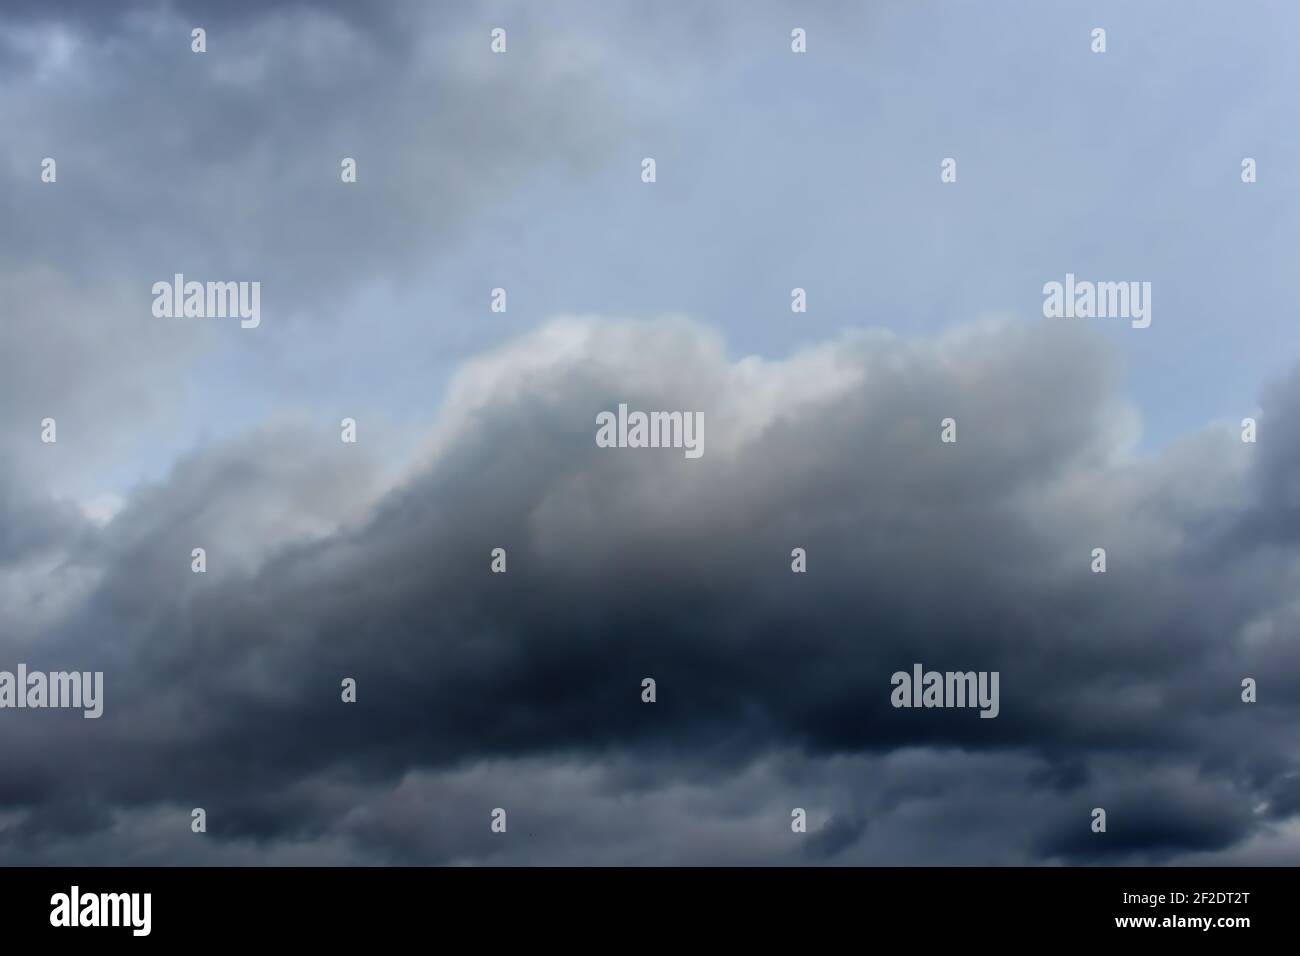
x: 523, y: 690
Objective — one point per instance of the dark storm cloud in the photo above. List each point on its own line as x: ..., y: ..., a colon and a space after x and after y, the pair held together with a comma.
x: 839, y: 833
x: 223, y: 690
x: 31, y: 525
x: 1153, y: 818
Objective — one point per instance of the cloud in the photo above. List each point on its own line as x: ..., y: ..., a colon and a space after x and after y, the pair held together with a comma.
x: 522, y: 690
x: 227, y: 165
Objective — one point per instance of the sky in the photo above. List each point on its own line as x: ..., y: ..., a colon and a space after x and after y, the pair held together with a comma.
x: 522, y: 691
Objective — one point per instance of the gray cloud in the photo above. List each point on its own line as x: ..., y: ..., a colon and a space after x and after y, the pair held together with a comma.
x: 241, y: 146
x: 1120, y: 688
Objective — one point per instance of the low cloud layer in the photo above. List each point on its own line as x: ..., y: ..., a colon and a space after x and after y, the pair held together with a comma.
x: 522, y: 690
